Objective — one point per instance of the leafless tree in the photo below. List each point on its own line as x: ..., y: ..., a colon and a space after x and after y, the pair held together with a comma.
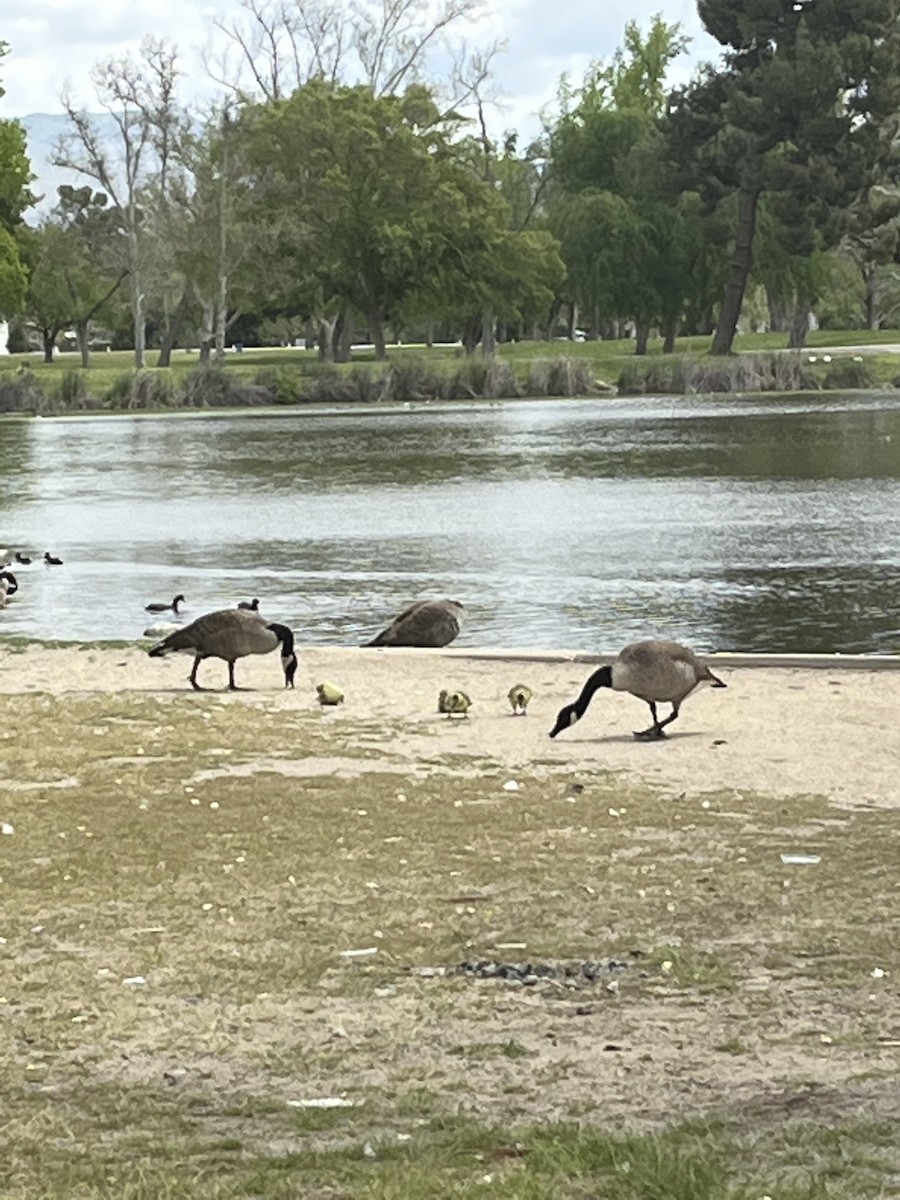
x: 275, y: 46
x: 131, y: 152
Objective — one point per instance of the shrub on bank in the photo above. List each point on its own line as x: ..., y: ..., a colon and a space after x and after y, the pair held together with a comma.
x: 848, y: 373
x: 22, y: 394
x: 688, y: 376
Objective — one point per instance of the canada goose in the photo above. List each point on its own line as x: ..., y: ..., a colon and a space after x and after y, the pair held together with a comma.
x: 51, y: 560
x: 10, y: 582
x: 173, y: 607
x: 3, y: 592
x: 250, y: 605
x: 230, y: 634
x: 22, y: 559
x: 425, y: 623
x: 454, y: 703
x: 654, y: 671
x: 329, y: 693
x: 518, y: 698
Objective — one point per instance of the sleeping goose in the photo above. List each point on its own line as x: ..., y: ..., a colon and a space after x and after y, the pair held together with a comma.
x: 230, y: 634
x: 22, y: 559
x: 425, y: 623
x: 652, y: 670
x: 173, y: 607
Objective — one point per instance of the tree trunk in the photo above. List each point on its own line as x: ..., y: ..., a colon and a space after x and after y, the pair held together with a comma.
x: 49, y: 339
x: 343, y: 337
x: 488, y: 342
x: 738, y: 272
x: 799, y: 326
x: 221, y: 316
x: 326, y: 339
x: 376, y: 329
x: 207, y: 336
x: 471, y: 337
x: 138, y: 312
x: 173, y: 329
x: 871, y: 296
x: 573, y: 320
x: 429, y: 334
x: 81, y: 341
x: 641, y: 337
x: 670, y: 333
x: 309, y: 334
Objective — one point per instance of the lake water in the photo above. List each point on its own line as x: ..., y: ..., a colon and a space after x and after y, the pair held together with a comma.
x: 730, y: 524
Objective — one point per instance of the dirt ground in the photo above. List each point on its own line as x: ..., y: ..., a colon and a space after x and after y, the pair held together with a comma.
x: 779, y: 731
x: 240, y: 843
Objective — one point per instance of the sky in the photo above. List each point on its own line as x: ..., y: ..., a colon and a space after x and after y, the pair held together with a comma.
x: 55, y: 42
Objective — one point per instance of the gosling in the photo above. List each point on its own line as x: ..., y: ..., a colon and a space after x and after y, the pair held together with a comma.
x: 454, y: 704
x: 518, y: 698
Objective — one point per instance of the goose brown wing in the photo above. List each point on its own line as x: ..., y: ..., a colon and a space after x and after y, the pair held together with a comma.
x: 228, y: 634
x: 429, y: 623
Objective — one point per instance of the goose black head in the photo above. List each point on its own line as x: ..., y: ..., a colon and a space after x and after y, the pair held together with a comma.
x: 288, y: 657
x: 566, y: 716
x: 571, y: 713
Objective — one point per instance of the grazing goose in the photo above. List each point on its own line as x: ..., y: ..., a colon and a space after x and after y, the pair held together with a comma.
x: 654, y: 671
x: 425, y: 623
x: 250, y: 605
x: 173, y: 607
x: 329, y: 693
x: 454, y: 703
x: 51, y: 560
x: 230, y: 634
x: 518, y: 698
x: 22, y: 559
x: 11, y: 584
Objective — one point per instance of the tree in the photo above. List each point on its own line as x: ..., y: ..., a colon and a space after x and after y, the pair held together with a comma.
x: 381, y: 194
x: 15, y: 198
x: 71, y: 276
x: 633, y: 239
x: 795, y: 109
x: 133, y: 166
x: 277, y: 46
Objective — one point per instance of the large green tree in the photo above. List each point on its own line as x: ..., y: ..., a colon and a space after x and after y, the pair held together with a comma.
x: 379, y: 199
x: 15, y: 198
x: 795, y: 110
x: 72, y: 267
x: 632, y: 238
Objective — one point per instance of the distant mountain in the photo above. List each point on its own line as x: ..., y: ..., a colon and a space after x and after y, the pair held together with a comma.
x: 44, y: 131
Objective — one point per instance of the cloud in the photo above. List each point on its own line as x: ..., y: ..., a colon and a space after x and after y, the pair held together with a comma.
x: 60, y: 41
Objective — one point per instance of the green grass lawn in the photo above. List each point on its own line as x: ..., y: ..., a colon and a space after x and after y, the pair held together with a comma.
x: 189, y: 844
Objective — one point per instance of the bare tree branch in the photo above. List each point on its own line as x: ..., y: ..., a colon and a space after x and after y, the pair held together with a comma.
x: 275, y: 46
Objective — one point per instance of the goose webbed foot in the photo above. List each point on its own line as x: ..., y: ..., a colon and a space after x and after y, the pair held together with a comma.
x: 198, y: 687
x: 654, y: 734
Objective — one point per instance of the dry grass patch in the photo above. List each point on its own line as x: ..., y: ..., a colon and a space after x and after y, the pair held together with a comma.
x: 155, y: 840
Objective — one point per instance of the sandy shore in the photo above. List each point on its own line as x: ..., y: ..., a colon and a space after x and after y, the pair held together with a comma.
x: 778, y: 731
